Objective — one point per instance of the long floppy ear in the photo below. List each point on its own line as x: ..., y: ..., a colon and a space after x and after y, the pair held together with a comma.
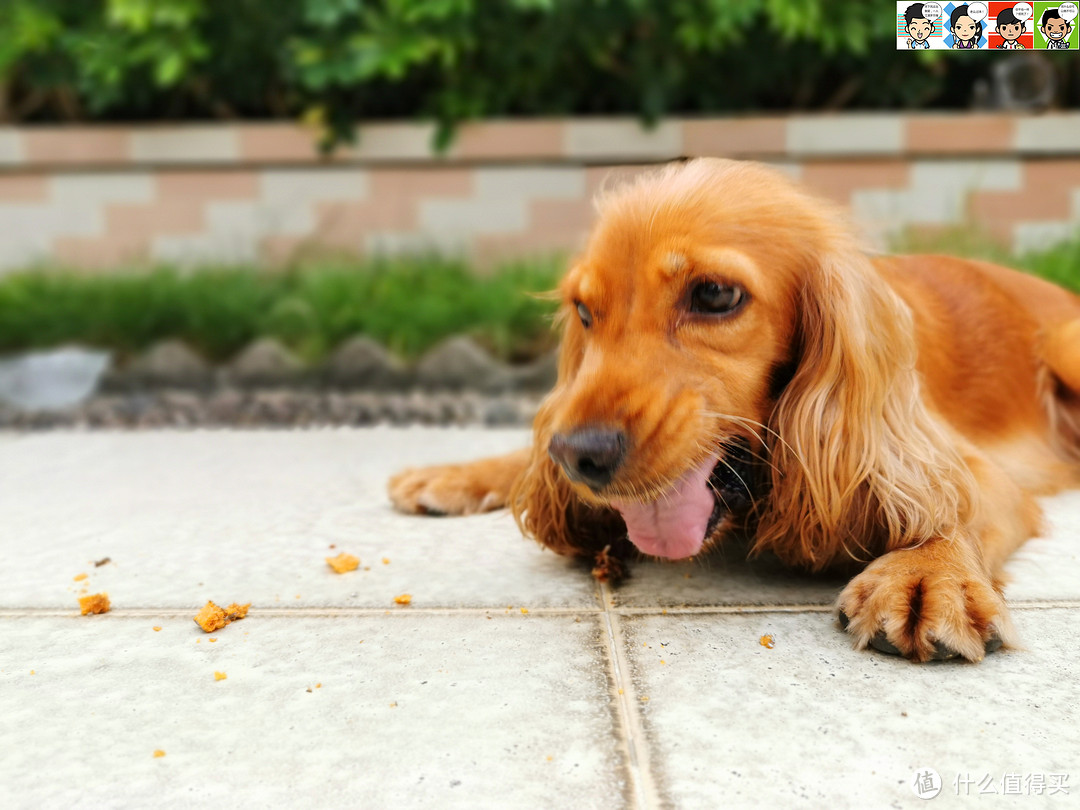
x: 860, y: 464
x: 544, y: 504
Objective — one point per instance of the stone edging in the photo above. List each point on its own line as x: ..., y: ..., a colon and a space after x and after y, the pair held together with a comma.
x: 360, y: 363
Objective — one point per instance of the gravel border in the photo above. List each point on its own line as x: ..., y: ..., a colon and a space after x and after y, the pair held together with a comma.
x: 238, y: 408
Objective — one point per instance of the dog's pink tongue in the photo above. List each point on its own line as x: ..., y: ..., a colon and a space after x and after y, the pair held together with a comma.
x: 674, y: 524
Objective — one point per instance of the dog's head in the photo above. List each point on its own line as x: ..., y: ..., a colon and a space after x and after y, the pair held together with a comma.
x: 727, y: 350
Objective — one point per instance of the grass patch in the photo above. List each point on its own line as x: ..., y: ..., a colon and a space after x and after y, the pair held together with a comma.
x: 407, y: 304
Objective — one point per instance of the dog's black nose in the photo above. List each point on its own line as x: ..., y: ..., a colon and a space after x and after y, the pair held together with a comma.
x: 591, y: 456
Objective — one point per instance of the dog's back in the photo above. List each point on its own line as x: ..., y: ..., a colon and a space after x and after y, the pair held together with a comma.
x: 999, y: 352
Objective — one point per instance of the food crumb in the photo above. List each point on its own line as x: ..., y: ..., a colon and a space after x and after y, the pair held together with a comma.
x: 32, y: 672
x: 343, y: 563
x: 95, y: 603
x: 157, y: 629
x: 80, y: 577
x: 767, y: 642
x: 385, y: 560
x: 403, y: 599
x: 101, y: 562
x: 212, y: 640
x: 158, y: 753
x: 393, y: 705
x: 212, y: 617
x: 220, y: 676
x: 524, y: 610
x: 608, y: 568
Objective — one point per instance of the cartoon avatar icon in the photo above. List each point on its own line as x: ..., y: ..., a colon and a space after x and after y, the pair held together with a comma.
x: 919, y: 27
x: 966, y: 32
x: 1011, y: 29
x: 1056, y: 30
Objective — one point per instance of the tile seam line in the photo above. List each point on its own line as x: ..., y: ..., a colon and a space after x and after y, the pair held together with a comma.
x: 329, y: 612
x: 630, y: 726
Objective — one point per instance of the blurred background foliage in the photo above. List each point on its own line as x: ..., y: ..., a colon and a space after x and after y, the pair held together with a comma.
x: 336, y: 62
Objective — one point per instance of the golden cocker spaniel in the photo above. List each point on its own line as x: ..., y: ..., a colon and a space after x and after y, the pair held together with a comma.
x: 732, y: 360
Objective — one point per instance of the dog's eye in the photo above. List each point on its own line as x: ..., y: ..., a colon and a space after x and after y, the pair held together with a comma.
x: 715, y: 299
x: 584, y: 314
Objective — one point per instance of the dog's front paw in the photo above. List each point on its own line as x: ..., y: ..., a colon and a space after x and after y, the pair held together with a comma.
x: 924, y: 608
x: 454, y: 489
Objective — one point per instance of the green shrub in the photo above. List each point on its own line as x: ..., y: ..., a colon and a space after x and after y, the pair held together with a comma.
x: 334, y: 62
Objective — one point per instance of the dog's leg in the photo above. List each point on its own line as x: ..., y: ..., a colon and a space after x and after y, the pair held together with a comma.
x: 458, y: 489
x: 1061, y: 387
x: 942, y: 598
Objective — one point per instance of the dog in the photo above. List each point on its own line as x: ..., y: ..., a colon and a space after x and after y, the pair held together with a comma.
x: 733, y: 361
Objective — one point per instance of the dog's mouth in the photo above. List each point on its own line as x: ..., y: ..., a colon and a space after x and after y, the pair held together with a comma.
x: 680, y: 520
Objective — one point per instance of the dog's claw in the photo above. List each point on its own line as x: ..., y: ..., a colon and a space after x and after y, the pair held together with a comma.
x: 941, y: 652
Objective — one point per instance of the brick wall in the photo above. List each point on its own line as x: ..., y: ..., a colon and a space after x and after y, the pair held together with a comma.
x: 99, y: 196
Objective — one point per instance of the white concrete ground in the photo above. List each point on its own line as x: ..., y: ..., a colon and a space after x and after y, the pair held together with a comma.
x: 511, y: 680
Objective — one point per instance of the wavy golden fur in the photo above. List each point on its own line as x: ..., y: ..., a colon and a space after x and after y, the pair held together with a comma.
x: 902, y: 412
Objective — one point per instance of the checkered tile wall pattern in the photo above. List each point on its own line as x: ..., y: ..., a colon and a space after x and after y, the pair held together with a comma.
x: 93, y: 197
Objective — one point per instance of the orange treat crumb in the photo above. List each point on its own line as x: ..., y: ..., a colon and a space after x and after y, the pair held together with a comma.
x: 220, y: 676
x: 158, y: 753
x: 343, y: 563
x: 80, y: 577
x: 212, y: 617
x: 767, y: 641
x: 94, y: 603
x: 318, y: 686
x: 385, y: 560
x: 404, y: 599
x: 157, y: 629
x: 212, y: 640
x: 524, y: 610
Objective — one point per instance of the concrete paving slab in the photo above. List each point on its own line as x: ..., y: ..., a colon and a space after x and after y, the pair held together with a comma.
x: 235, y: 516
x: 251, y: 517
x: 426, y: 711
x: 813, y: 723
x: 724, y: 577
x: 1047, y: 568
